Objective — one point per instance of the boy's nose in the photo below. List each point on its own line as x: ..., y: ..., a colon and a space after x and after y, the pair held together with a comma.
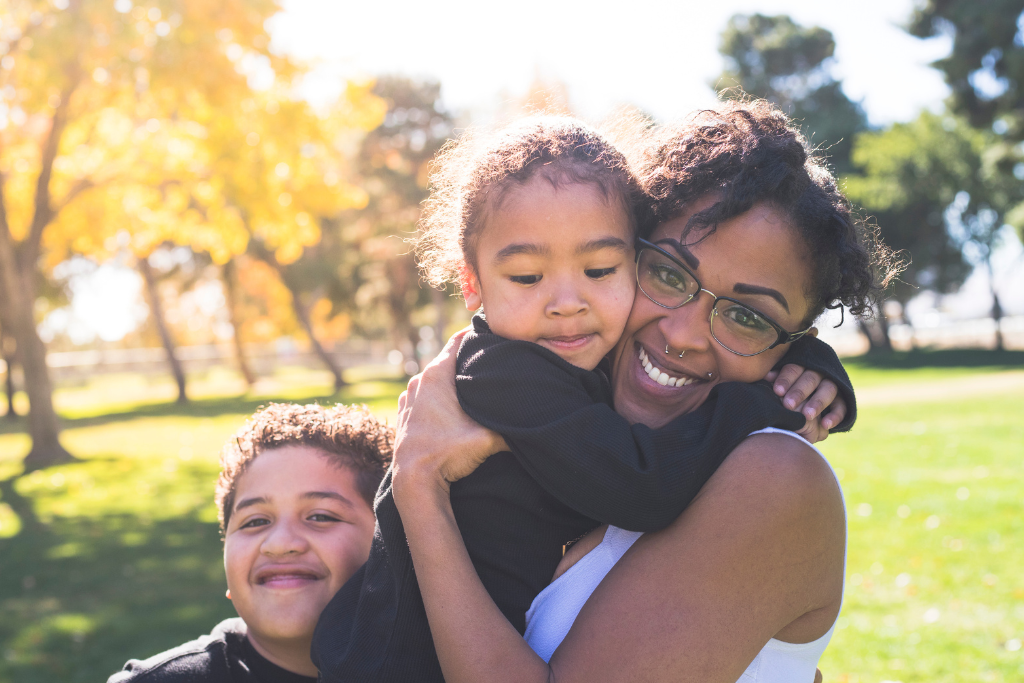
x: 284, y: 538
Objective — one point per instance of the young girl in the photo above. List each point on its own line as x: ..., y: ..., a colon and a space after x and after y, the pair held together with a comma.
x: 537, y: 225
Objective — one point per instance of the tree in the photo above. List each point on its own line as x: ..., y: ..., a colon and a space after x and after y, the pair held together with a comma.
x: 985, y: 69
x: 392, y: 165
x: 80, y: 79
x: 941, y: 191
x: 777, y: 59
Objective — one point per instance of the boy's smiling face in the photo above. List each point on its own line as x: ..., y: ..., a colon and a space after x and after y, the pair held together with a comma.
x: 298, y: 530
x: 554, y: 266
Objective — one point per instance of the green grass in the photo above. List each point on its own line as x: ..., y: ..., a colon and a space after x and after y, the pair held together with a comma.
x: 119, y: 555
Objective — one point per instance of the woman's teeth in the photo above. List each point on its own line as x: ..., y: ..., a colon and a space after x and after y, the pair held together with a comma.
x: 659, y: 375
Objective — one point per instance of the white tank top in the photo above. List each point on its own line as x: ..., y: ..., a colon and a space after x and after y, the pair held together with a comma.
x: 555, y: 609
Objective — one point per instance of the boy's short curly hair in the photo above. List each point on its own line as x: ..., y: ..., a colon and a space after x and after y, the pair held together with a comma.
x: 470, y: 177
x: 746, y: 152
x: 349, y: 436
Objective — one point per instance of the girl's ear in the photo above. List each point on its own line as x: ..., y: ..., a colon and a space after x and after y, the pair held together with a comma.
x: 470, y: 285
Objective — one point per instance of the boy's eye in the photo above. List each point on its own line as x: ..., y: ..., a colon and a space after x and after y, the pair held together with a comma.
x: 255, y: 522
x: 598, y: 273
x: 525, y: 279
x: 322, y: 517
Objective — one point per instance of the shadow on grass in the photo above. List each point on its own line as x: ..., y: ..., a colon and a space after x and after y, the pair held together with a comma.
x: 940, y: 358
x: 80, y: 596
x: 212, y: 407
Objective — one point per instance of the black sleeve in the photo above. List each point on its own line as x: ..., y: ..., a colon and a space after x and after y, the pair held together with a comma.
x: 588, y: 456
x: 814, y: 354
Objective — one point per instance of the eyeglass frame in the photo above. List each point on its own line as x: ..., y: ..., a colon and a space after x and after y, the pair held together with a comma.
x: 784, y: 336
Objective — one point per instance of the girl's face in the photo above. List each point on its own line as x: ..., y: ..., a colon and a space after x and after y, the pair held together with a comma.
x: 554, y: 266
x: 756, y: 258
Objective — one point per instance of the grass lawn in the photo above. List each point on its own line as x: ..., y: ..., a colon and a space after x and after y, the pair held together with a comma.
x: 119, y: 556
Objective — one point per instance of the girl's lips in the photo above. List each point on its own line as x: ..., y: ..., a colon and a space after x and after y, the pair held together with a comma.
x: 569, y: 343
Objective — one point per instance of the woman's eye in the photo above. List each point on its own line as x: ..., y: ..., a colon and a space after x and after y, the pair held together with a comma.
x: 525, y: 279
x: 746, y: 318
x: 670, y: 277
x: 598, y: 273
x: 322, y: 517
x: 255, y: 522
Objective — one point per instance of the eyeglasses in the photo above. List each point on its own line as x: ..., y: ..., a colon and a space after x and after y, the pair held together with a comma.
x: 744, y: 331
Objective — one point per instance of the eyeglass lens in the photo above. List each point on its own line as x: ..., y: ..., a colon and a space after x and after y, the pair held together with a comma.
x: 741, y: 329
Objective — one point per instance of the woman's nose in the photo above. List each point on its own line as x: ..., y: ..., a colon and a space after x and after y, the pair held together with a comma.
x: 284, y: 538
x: 688, y: 327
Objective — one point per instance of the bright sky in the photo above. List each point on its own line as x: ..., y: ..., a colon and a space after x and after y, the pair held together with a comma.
x: 659, y: 55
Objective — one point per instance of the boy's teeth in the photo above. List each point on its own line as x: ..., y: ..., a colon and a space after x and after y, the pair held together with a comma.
x: 659, y: 375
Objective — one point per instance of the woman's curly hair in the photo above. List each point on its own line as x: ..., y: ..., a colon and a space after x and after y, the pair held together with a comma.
x: 748, y: 152
x: 471, y: 176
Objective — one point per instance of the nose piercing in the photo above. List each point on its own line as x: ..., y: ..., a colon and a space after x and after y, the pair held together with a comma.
x: 680, y: 353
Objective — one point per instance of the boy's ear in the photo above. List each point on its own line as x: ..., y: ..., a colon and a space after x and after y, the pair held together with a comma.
x: 470, y: 285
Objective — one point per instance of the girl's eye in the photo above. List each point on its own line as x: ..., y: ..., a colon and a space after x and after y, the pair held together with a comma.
x: 525, y: 279
x: 255, y: 522
x: 322, y: 517
x: 598, y: 273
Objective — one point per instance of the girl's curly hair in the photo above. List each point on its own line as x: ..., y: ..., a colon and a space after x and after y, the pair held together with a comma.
x: 749, y: 152
x: 471, y: 176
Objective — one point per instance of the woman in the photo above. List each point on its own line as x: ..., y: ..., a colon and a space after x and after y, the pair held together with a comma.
x: 754, y: 568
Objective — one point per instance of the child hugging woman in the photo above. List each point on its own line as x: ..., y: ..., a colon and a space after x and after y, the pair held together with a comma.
x: 537, y: 224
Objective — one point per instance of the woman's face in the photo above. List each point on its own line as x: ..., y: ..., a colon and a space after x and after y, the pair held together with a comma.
x: 756, y: 258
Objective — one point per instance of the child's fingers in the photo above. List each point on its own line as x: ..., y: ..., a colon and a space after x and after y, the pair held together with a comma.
x: 772, y: 374
x: 836, y: 413
x: 801, y: 389
x: 785, y: 379
x: 821, y: 398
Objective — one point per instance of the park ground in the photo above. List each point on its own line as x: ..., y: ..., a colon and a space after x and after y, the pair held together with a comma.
x: 119, y: 555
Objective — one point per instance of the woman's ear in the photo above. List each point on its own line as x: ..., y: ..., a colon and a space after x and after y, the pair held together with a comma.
x: 470, y: 285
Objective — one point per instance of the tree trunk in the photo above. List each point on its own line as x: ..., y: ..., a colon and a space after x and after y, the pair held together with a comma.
x: 228, y: 275
x: 161, y: 327
x: 997, y: 306
x: 18, y: 294
x: 441, y: 303
x: 302, y: 313
x: 7, y: 349
x: 876, y: 329
x: 401, y: 271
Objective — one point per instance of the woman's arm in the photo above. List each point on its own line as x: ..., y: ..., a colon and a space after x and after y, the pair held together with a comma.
x: 759, y: 553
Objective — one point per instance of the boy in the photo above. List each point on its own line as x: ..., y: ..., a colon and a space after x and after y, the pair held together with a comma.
x: 295, y: 499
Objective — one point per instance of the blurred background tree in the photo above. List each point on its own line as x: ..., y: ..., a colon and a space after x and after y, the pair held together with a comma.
x: 392, y: 165
x: 791, y: 65
x: 102, y: 96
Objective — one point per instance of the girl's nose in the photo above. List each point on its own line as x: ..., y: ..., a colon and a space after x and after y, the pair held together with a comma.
x: 566, y: 300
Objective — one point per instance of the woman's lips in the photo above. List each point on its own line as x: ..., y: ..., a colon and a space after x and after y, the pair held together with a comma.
x: 660, y: 376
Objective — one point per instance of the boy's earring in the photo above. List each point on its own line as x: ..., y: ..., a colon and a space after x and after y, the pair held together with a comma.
x: 227, y: 594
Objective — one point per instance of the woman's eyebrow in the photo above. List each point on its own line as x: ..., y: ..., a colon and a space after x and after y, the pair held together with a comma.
x: 683, y: 252
x: 602, y: 243
x: 518, y: 248
x: 742, y: 288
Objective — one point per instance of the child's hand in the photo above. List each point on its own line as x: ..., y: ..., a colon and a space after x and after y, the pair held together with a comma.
x: 434, y: 437
x: 808, y: 393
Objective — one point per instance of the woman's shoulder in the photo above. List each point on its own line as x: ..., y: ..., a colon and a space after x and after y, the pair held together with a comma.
x: 776, y: 461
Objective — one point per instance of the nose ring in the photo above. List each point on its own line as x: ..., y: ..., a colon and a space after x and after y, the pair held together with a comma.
x: 680, y: 353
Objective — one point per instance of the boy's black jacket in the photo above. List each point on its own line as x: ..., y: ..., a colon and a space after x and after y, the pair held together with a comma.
x: 574, y: 463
